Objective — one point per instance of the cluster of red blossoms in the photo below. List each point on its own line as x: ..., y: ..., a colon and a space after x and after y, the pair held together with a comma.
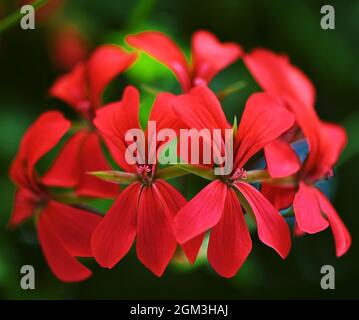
x: 146, y: 207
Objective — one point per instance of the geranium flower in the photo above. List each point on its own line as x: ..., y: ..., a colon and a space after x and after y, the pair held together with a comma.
x: 146, y: 208
x: 82, y: 89
x: 209, y: 56
x: 217, y: 207
x: 276, y: 75
x: 312, y: 209
x: 64, y: 231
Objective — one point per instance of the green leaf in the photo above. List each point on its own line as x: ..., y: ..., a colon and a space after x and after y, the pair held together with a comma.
x: 171, y: 172
x: 238, y: 85
x: 115, y: 176
x: 198, y: 171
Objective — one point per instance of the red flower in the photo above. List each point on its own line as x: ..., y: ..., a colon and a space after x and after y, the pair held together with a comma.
x: 276, y: 75
x: 64, y: 232
x: 209, y: 56
x: 217, y: 206
x: 146, y: 208
x: 82, y: 89
x: 326, y: 141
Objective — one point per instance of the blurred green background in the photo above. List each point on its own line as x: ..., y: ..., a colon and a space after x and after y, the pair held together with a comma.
x: 28, y: 66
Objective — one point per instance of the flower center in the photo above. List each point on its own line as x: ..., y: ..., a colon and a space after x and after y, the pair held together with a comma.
x: 145, y: 173
x: 238, y: 175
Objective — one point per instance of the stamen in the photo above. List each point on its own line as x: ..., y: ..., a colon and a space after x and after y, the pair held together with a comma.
x: 143, y: 169
x: 240, y: 174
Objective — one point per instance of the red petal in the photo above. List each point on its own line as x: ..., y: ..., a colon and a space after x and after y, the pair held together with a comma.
x: 175, y: 201
x: 200, y: 109
x: 165, y: 118
x: 264, y: 119
x: 281, y: 197
x: 163, y: 49
x: 326, y: 141
x: 230, y: 242
x: 192, y: 247
x: 309, y: 122
x: 332, y: 140
x: 62, y: 263
x: 171, y: 197
x: 162, y: 112
x: 81, y: 154
x: 307, y: 211
x: 277, y: 76
x: 93, y: 159
x: 272, y: 228
x: 73, y: 227
x: 115, y: 234
x: 155, y: 243
x: 210, y: 56
x: 72, y: 89
x: 66, y: 169
x: 341, y: 234
x: 103, y: 66
x: 24, y: 207
x: 297, y: 232
x: 282, y: 161
x: 115, y: 119
x: 39, y: 139
x: 201, y: 213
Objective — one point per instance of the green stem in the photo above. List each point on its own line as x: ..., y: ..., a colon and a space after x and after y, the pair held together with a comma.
x: 263, y: 176
x: 231, y: 89
x: 118, y: 177
x: 198, y: 171
x: 150, y: 89
x: 16, y: 16
x: 257, y: 175
x: 69, y: 198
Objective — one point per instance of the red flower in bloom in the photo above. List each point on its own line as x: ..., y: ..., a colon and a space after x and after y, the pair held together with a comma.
x: 326, y: 141
x: 217, y: 206
x: 64, y: 232
x: 82, y: 89
x: 276, y: 75
x: 146, y: 208
x: 209, y: 56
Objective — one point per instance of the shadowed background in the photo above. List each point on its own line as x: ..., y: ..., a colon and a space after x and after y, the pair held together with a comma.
x: 31, y: 60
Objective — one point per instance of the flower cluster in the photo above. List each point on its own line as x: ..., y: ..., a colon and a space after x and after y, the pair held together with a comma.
x: 147, y: 209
